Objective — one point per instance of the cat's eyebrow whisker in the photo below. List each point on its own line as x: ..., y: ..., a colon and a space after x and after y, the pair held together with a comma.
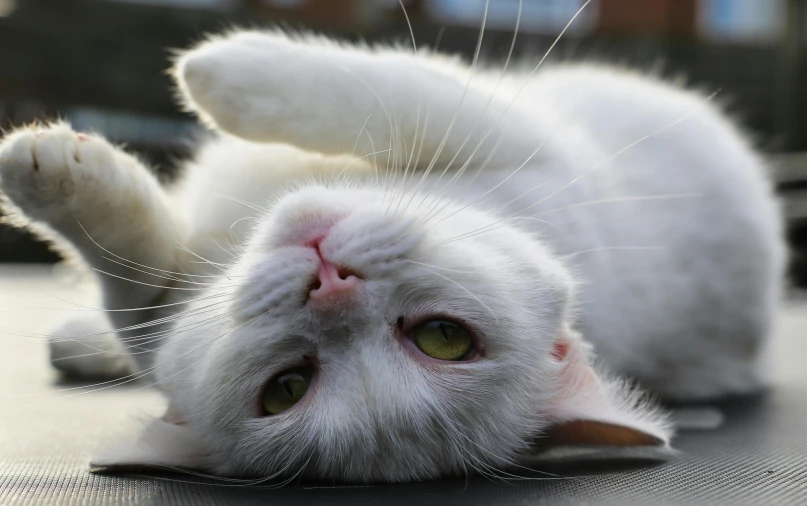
x: 617, y: 200
x: 463, y: 271
x: 453, y: 121
x: 406, y: 175
x: 492, y: 313
x: 405, y: 180
x: 595, y: 167
x: 401, y: 147
x: 413, y: 192
x: 549, y: 137
x: 491, y: 153
x: 527, y: 80
x: 481, y: 197
x: 409, y: 25
x: 361, y: 131
x: 556, y: 128
x: 611, y: 248
x: 492, y: 96
x: 392, y: 162
x: 629, y: 146
x: 390, y: 150
x: 497, y: 225
x: 375, y: 158
x: 490, y: 191
x: 378, y: 101
x: 540, y: 63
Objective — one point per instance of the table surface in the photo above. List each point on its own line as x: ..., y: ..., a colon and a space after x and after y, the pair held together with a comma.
x: 48, y: 428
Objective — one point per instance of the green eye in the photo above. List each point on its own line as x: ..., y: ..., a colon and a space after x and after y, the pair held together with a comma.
x: 285, y: 390
x: 443, y: 340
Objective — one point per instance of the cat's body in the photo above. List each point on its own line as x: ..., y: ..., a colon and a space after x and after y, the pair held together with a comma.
x: 579, y: 198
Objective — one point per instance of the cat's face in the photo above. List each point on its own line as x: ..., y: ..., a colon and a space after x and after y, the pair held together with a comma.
x: 384, y: 400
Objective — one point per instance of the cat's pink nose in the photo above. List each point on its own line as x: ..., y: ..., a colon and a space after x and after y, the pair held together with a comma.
x: 332, y: 282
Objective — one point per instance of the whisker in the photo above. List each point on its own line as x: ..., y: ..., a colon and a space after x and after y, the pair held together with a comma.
x: 156, y: 286
x: 482, y: 114
x: 623, y: 199
x: 492, y: 313
x: 611, y: 248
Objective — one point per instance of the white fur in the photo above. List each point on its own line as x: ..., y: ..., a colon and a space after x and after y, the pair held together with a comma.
x: 87, y: 348
x: 526, y: 207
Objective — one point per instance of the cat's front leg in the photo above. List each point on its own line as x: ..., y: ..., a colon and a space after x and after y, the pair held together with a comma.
x: 85, y: 195
x: 326, y: 97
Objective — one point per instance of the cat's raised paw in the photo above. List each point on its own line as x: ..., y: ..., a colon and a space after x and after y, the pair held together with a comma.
x: 44, y: 169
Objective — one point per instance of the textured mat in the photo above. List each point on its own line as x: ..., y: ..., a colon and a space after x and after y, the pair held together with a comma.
x: 748, y: 451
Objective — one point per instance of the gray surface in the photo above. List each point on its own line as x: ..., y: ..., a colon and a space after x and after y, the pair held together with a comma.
x: 757, y: 456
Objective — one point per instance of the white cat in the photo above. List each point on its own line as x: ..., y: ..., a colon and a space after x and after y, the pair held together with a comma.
x: 387, y: 266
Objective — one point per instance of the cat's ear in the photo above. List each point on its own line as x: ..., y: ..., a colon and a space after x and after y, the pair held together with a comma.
x: 166, y: 443
x: 589, y: 409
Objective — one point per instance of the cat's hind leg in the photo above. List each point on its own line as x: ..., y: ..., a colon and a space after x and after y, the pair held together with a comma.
x: 87, y: 196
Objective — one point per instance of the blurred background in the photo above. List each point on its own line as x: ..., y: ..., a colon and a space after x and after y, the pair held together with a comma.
x: 101, y: 63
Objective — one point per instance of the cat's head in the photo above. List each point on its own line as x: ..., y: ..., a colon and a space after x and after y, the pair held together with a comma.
x: 373, y: 334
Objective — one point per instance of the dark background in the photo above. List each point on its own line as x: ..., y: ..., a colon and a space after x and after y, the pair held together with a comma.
x: 102, y: 63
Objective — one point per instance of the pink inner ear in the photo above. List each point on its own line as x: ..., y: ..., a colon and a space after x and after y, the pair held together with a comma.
x: 583, y: 411
x: 577, y: 380
x: 560, y: 350
x: 580, y: 394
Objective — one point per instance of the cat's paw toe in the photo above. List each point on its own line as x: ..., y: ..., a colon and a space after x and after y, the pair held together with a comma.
x: 44, y: 167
